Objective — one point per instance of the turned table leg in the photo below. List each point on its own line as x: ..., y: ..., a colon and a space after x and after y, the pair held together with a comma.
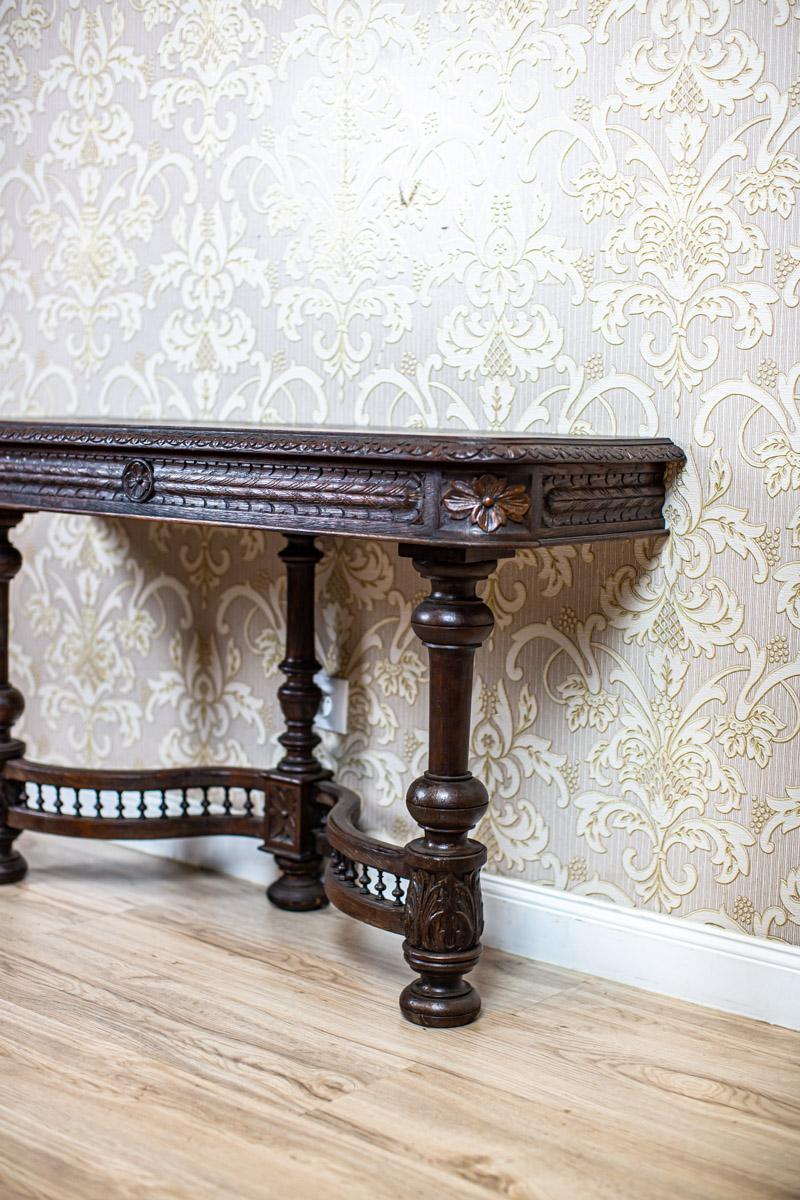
x: 12, y: 864
x: 293, y: 814
x: 444, y: 916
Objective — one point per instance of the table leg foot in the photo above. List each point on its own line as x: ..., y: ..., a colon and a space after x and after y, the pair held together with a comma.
x: 13, y: 866
x: 299, y: 887
x: 442, y: 1003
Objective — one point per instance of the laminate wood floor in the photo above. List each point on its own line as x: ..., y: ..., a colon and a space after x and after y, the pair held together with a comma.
x: 165, y: 1034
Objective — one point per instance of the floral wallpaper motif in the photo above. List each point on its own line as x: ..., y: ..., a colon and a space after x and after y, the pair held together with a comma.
x: 567, y: 216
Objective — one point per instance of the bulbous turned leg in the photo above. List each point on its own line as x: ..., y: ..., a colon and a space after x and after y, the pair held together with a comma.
x: 292, y: 814
x: 444, y: 913
x: 12, y: 864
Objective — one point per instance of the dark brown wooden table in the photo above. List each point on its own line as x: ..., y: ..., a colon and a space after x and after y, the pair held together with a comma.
x: 456, y: 503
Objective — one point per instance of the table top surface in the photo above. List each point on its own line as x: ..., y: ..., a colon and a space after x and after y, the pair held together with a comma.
x: 436, y: 445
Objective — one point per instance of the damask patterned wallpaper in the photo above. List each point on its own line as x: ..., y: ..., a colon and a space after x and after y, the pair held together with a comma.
x: 575, y: 216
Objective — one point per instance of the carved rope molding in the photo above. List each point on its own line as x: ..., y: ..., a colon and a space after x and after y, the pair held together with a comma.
x: 577, y: 498
x: 243, y: 485
x: 522, y: 449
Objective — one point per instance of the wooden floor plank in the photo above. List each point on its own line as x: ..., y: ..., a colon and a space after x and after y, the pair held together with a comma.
x: 165, y: 1035
x: 161, y: 1132
x: 229, y: 1035
x: 545, y: 1146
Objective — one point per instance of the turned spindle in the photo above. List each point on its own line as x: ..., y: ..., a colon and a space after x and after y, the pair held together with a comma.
x: 294, y: 814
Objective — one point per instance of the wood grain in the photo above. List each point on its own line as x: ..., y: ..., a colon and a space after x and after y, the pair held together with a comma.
x: 165, y: 1035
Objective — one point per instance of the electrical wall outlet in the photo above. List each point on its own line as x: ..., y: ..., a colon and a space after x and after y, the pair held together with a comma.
x: 332, y: 714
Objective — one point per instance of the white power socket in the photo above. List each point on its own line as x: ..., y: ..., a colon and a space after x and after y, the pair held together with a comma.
x: 332, y: 714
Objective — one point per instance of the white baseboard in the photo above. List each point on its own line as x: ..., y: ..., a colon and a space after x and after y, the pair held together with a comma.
x: 752, y: 977
x: 235, y: 856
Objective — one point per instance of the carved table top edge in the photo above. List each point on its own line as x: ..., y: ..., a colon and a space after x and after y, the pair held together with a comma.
x: 496, y: 492
x: 436, y: 447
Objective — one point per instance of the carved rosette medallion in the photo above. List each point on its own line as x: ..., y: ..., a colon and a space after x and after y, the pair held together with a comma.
x: 444, y: 913
x: 138, y: 481
x: 488, y: 501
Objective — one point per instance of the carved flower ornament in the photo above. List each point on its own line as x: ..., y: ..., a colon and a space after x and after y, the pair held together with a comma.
x: 489, y: 502
x: 138, y: 481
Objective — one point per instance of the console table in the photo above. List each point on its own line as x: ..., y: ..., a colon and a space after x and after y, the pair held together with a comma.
x: 456, y: 503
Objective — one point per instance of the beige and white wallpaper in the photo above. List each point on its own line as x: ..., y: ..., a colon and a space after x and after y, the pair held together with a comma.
x: 562, y: 216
